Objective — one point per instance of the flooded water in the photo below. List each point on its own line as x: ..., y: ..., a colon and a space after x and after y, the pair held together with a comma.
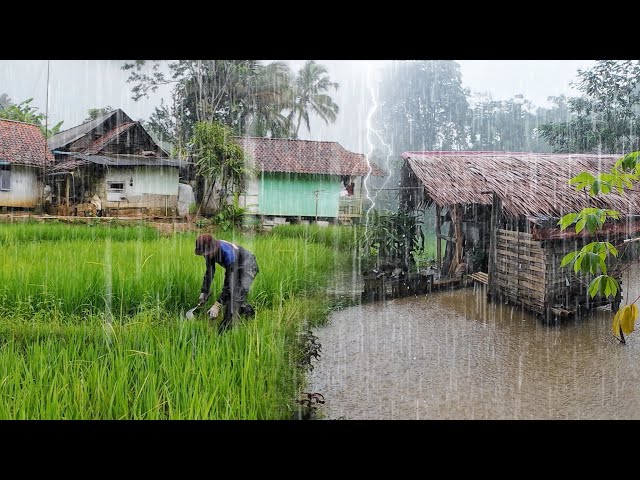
x: 453, y: 355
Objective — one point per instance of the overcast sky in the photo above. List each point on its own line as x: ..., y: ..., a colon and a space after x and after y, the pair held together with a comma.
x: 75, y: 86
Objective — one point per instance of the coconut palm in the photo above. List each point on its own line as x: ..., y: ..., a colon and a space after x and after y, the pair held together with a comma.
x: 271, y: 94
x: 310, y: 95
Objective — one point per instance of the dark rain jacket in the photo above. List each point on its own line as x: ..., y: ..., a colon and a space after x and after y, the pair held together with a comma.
x: 235, y: 260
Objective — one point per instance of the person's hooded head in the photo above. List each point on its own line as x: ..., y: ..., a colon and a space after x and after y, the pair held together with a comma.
x: 205, y: 244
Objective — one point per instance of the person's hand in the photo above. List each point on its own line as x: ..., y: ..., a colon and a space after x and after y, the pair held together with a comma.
x: 202, y: 298
x: 215, y: 310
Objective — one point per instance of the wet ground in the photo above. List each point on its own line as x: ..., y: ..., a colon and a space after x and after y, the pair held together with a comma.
x: 453, y: 355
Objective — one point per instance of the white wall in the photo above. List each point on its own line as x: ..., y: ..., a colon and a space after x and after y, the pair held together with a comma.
x: 25, y: 190
x: 249, y: 198
x: 146, y: 180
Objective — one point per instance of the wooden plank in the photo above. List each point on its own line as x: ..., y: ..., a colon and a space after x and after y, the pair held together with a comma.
x: 438, y: 233
x: 526, y: 265
x: 514, y: 234
x: 521, y: 274
x: 534, y: 259
x: 520, y: 247
x: 530, y: 243
x: 480, y: 277
x: 518, y: 300
x: 522, y: 287
x: 496, y: 216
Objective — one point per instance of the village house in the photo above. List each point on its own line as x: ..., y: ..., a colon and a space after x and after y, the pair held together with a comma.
x: 111, y: 165
x: 500, y: 211
x: 23, y: 158
x: 305, y: 180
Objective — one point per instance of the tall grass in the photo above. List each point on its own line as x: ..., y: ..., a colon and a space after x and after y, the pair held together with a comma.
x: 122, y: 278
x: 332, y: 236
x: 93, y: 329
x: 11, y: 233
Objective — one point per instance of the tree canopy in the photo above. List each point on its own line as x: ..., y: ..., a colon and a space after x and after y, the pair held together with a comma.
x: 606, y: 117
x: 23, y: 112
x: 247, y: 96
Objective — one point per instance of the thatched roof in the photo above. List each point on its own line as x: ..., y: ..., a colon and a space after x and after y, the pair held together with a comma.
x: 531, y: 184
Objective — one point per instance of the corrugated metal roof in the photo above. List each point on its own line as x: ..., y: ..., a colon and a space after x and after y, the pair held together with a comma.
x: 78, y: 159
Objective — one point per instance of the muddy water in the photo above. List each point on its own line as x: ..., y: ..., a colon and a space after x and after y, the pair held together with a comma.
x: 453, y: 355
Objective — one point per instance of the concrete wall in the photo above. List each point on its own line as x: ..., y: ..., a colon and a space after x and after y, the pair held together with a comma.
x: 152, y: 187
x: 249, y: 198
x: 25, y: 189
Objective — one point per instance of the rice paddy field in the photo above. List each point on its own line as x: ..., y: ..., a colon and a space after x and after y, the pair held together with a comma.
x: 92, y: 326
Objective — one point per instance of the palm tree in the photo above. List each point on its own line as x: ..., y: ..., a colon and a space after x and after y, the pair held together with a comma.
x: 270, y: 95
x: 310, y: 95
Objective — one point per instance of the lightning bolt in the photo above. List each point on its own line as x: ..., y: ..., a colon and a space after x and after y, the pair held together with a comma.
x: 373, y: 132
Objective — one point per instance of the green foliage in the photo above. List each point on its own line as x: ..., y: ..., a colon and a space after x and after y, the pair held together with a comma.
x: 23, y: 112
x: 592, y: 218
x: 332, y: 236
x: 390, y: 238
x: 606, y: 118
x: 245, y: 95
x: 423, y: 106
x: 310, y: 96
x: 94, y: 113
x: 230, y: 215
x: 219, y: 159
x: 591, y: 259
x: 511, y: 125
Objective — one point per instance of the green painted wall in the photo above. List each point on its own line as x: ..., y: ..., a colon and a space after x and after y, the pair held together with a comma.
x: 293, y: 194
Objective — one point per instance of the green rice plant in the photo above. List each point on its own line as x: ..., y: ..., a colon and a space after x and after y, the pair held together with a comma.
x: 341, y: 237
x: 93, y: 328
x: 24, y: 232
x: 150, y: 366
x: 121, y: 278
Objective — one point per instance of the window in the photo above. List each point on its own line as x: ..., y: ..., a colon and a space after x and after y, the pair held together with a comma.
x: 5, y: 177
x: 115, y: 186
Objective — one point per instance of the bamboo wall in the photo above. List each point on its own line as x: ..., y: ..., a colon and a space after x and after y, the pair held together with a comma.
x: 520, y: 269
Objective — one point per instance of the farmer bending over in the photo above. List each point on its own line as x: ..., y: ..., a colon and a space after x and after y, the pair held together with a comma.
x: 240, y: 270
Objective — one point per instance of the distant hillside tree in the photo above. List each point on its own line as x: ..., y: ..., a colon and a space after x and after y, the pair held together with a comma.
x: 512, y: 125
x: 606, y: 117
x: 94, y: 113
x: 245, y: 95
x: 5, y: 101
x: 423, y: 106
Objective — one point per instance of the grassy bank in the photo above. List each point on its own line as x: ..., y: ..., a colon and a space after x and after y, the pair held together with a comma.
x: 91, y: 328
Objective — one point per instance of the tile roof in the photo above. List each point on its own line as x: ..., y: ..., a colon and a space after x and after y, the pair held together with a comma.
x: 64, y: 138
x: 101, y: 141
x: 23, y: 143
x: 306, y: 156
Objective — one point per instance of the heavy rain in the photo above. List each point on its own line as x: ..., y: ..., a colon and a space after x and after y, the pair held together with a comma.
x: 319, y: 239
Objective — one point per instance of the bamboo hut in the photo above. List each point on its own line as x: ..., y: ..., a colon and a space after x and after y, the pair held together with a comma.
x: 502, y: 208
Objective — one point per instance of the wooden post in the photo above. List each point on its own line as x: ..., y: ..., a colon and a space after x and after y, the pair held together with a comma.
x: 438, y: 239
x: 496, y: 216
x: 456, y: 220
x: 68, y: 209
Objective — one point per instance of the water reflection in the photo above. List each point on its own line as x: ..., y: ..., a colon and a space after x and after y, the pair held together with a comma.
x: 452, y: 355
